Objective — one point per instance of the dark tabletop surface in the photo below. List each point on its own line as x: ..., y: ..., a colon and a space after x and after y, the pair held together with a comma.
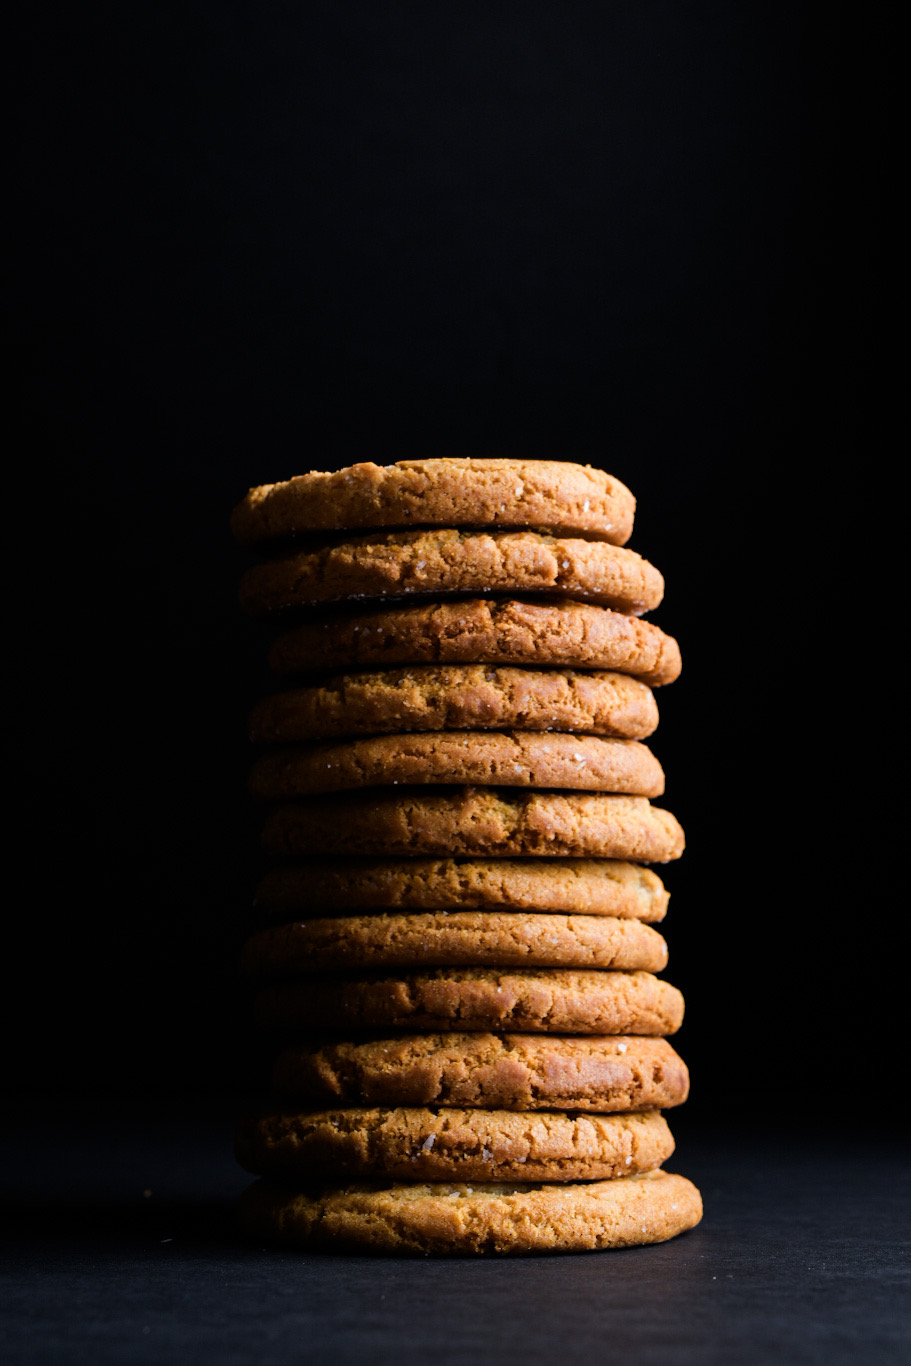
x: 119, y: 1245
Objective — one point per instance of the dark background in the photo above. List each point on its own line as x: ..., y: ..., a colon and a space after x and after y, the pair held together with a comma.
x: 262, y: 239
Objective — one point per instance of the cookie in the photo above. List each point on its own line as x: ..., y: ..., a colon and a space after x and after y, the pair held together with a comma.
x: 441, y: 938
x: 573, y: 499
x: 492, y: 1071
x: 473, y: 820
x: 512, y: 759
x: 586, y: 886
x: 537, y: 1000
x: 457, y: 1219
x: 458, y: 697
x: 451, y: 1145
x: 563, y: 634
x: 392, y: 563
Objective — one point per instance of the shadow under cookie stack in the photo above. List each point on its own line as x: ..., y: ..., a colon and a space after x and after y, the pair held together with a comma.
x: 456, y: 942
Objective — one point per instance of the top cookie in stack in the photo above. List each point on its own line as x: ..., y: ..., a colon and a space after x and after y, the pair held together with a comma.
x: 465, y: 806
x: 539, y: 494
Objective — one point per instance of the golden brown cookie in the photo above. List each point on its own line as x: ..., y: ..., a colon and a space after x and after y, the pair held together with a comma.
x: 559, y: 633
x: 458, y: 697
x: 453, y: 1220
x: 586, y: 886
x: 393, y: 563
x: 574, y: 499
x: 458, y: 938
x: 534, y: 1000
x: 479, y: 821
x: 451, y: 1145
x: 595, y: 1074
x: 453, y: 758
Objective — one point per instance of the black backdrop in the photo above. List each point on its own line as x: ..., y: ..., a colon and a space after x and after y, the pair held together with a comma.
x: 267, y: 238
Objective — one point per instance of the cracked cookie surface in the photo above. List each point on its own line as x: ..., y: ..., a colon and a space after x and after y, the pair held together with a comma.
x: 496, y: 939
x: 440, y: 938
x: 454, y: 758
x: 592, y: 1073
x: 574, y: 499
x: 560, y: 633
x: 475, y: 821
x: 585, y: 886
x: 458, y: 697
x: 546, y: 1000
x: 422, y: 1144
x: 397, y: 563
x: 496, y: 1218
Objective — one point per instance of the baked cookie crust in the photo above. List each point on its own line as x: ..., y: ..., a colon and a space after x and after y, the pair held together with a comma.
x: 396, y: 563
x: 454, y: 758
x: 457, y: 938
x: 584, y: 886
x: 475, y: 821
x: 459, y: 1219
x: 533, y: 1000
x: 574, y: 499
x: 592, y: 1073
x: 422, y: 1144
x: 458, y: 697
x: 560, y: 633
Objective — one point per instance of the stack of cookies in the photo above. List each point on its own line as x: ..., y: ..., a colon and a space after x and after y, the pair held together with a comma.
x: 455, y: 952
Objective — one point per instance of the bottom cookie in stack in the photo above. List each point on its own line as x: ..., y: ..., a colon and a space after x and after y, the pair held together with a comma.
x: 451, y: 1219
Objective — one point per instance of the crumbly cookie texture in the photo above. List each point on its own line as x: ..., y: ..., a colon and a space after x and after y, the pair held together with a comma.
x: 573, y: 499
x: 458, y: 938
x: 420, y: 1144
x: 554, y: 634
x: 594, y: 1074
x: 458, y: 697
x: 534, y: 1000
x: 456, y: 1219
x: 475, y: 821
x: 585, y: 886
x: 394, y: 563
x: 497, y: 758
